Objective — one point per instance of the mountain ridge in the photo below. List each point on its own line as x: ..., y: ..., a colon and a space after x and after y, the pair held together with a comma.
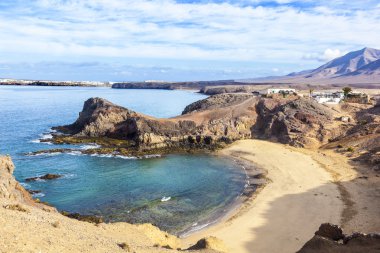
x: 359, y: 67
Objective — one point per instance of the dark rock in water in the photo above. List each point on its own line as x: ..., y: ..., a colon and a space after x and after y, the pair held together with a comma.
x: 328, y: 239
x: 44, y: 177
x: 330, y: 231
x: 81, y: 217
x: 33, y: 191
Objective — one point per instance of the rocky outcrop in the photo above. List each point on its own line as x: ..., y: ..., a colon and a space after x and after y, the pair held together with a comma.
x: 298, y: 122
x: 44, y: 177
x: 215, y: 102
x: 209, y: 90
x: 210, y: 243
x: 10, y: 189
x: 100, y: 118
x: 207, y: 124
x: 330, y: 239
x: 361, y: 141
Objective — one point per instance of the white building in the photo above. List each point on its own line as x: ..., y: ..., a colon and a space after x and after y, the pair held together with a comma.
x: 328, y: 97
x: 280, y: 91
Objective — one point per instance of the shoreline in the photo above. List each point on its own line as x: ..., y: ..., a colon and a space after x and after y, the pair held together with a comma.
x: 255, y: 181
x: 307, y: 197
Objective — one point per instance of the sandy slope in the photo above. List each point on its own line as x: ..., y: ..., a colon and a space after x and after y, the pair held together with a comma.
x: 287, y: 212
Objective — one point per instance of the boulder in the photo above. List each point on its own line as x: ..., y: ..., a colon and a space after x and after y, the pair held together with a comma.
x: 211, y: 243
x: 44, y: 177
x: 330, y: 231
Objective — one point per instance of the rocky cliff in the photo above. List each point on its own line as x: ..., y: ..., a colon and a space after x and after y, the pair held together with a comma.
x: 207, y: 124
x: 361, y: 140
x: 10, y: 189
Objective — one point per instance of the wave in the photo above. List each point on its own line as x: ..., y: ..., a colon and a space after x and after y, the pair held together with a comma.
x: 39, y: 179
x: 74, y: 152
x: 195, y: 227
x: 125, y: 157
x: 152, y: 156
x: 103, y: 155
x: 25, y: 185
x: 71, y: 175
x: 38, y: 195
x: 90, y: 146
x: 45, y: 154
x: 164, y: 199
x: 52, y: 130
x: 43, y: 142
x: 46, y: 136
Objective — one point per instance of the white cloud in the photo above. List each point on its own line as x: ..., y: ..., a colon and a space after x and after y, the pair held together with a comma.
x: 328, y: 55
x: 165, y: 29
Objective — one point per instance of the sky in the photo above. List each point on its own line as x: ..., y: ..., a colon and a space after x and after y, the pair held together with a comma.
x: 122, y: 40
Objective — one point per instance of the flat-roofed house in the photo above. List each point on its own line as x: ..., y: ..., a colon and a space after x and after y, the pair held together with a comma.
x: 328, y: 97
x: 280, y: 91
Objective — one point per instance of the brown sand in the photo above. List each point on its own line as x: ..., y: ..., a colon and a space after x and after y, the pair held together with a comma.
x: 286, y: 213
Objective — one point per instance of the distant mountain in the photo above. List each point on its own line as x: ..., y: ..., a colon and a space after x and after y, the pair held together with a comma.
x: 372, y: 68
x: 346, y: 64
x: 359, y: 68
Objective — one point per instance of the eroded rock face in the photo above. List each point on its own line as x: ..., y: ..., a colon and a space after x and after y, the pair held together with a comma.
x: 330, y: 239
x: 362, y: 139
x: 298, y: 122
x: 208, y: 123
x: 10, y: 189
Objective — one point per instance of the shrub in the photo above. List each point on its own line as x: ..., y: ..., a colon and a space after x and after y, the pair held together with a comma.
x: 17, y: 207
x: 124, y: 246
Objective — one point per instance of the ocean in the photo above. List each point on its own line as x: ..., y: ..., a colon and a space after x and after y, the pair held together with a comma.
x: 178, y: 193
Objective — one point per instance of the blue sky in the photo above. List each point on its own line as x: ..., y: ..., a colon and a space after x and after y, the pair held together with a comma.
x: 116, y: 40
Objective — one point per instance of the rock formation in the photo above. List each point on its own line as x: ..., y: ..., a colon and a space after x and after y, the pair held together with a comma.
x: 207, y: 124
x: 330, y: 239
x: 361, y: 140
x: 44, y: 177
x: 10, y: 189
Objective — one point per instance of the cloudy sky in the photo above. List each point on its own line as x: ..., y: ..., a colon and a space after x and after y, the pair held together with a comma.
x: 122, y: 40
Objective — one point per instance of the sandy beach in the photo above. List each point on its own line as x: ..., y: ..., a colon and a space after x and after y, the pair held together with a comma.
x: 300, y: 195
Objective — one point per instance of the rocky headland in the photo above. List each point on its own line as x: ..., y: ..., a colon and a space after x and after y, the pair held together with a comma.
x: 205, y: 125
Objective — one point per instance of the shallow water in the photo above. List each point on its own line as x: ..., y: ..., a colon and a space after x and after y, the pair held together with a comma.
x: 174, y: 192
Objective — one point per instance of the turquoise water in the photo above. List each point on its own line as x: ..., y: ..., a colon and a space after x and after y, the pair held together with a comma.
x: 199, y: 186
